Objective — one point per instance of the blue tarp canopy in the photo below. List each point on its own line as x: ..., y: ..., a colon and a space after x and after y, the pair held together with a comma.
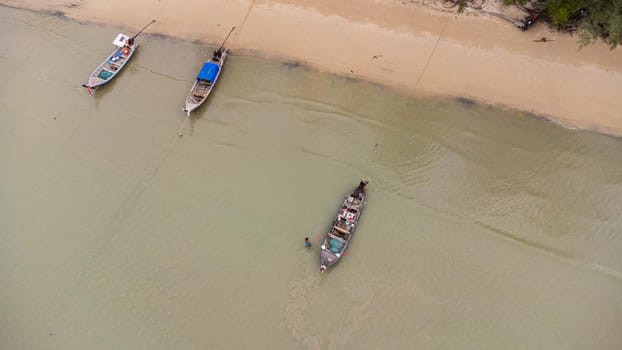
x: 209, y: 71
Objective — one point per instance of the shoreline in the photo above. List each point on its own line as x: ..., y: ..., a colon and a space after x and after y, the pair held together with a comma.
x: 407, y: 46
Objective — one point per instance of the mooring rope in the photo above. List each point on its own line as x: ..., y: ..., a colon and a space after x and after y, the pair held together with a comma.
x: 425, y: 67
x: 180, y: 132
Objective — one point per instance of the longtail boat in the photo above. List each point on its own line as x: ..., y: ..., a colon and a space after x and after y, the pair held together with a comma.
x: 205, y: 81
x: 107, y: 70
x: 207, y: 77
x: 337, y: 239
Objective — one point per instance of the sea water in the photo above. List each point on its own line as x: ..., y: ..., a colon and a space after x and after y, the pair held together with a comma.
x: 125, y: 226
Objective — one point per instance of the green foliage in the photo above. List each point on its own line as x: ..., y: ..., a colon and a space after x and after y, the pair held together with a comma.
x: 561, y: 11
x: 461, y: 5
x: 604, y: 19
x: 559, y: 14
x: 592, y: 18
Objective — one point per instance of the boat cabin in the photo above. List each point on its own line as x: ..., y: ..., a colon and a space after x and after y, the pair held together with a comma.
x: 121, y: 40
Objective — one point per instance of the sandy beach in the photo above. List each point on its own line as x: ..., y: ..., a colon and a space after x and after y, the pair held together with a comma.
x: 405, y: 45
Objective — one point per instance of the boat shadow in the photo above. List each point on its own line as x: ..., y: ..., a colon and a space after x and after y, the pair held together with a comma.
x: 101, y: 92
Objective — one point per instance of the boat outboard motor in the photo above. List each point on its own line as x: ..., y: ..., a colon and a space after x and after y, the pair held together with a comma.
x: 360, y: 190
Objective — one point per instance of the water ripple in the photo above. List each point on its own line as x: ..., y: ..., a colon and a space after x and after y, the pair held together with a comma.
x: 559, y: 253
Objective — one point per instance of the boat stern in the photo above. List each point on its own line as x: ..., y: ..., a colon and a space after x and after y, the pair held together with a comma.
x: 89, y: 88
x: 327, y: 259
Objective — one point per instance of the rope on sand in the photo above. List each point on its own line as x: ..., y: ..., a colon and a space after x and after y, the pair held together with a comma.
x: 180, y: 132
x: 250, y: 8
x: 514, y: 21
x: 425, y: 67
x: 142, y: 184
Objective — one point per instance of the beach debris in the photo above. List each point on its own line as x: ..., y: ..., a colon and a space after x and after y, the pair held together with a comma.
x: 375, y: 57
x: 528, y: 21
x: 542, y: 40
x: 522, y: 24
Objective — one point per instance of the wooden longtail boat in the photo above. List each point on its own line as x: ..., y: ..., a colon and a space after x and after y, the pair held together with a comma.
x: 105, y: 72
x: 206, y: 79
x: 337, y: 239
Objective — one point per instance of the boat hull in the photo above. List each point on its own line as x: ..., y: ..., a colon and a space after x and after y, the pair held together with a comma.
x: 327, y: 260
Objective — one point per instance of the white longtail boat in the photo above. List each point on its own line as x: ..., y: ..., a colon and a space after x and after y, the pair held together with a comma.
x: 105, y: 72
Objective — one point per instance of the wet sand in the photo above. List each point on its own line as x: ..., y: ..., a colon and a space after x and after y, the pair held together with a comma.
x: 404, y: 45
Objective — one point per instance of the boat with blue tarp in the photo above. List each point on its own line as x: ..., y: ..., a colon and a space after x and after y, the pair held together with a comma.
x: 206, y: 79
x: 337, y: 239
